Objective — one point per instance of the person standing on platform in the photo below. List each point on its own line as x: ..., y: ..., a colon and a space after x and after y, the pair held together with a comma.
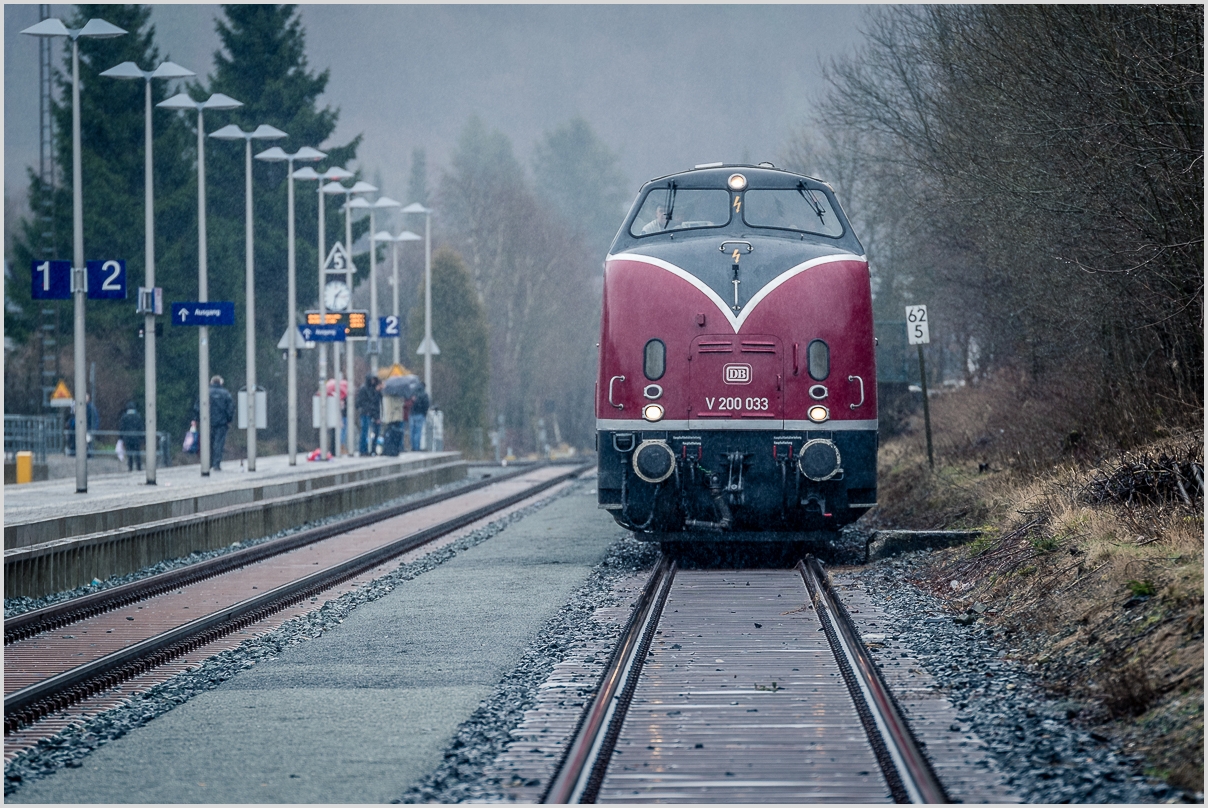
x: 222, y: 412
x: 131, y: 427
x: 419, y: 411
x: 94, y: 423
x: 369, y: 406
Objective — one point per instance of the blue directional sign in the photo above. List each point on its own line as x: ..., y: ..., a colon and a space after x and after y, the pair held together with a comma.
x: 322, y: 333
x: 106, y: 279
x: 51, y: 280
x: 388, y: 326
x: 214, y: 312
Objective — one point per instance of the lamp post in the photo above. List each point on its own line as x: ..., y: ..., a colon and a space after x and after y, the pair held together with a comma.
x: 261, y: 132
x: 276, y: 154
x: 406, y: 235
x: 428, y: 348
x: 215, y: 101
x: 375, y: 345
x: 53, y: 26
x: 360, y: 187
x: 167, y: 70
x: 332, y: 174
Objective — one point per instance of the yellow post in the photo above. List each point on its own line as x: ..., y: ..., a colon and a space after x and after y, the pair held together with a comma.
x: 25, y: 467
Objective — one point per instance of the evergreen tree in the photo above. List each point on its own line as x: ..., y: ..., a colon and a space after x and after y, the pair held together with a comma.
x: 461, y: 372
x: 263, y: 64
x: 580, y: 177
x: 112, y: 161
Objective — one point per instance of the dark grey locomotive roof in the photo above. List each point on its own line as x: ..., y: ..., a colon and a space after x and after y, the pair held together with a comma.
x: 774, y: 250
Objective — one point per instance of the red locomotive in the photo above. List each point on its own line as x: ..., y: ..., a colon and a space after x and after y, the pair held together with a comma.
x: 737, y: 391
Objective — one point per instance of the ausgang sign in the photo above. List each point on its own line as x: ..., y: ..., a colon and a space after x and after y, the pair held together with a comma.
x: 214, y: 312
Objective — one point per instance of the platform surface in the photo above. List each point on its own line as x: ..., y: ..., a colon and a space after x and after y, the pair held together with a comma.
x: 50, y: 499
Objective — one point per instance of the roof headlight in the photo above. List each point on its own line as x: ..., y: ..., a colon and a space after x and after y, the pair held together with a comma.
x: 818, y: 414
x: 737, y: 182
x: 653, y: 412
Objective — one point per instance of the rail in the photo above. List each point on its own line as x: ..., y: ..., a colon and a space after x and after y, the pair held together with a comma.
x: 30, y: 703
x: 581, y: 770
x: 909, y: 774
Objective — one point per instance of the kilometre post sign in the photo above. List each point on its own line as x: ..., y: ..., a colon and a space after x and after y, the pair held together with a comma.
x: 918, y: 330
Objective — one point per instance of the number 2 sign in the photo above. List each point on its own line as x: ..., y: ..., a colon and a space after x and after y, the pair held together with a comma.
x: 107, y: 279
x: 917, y: 325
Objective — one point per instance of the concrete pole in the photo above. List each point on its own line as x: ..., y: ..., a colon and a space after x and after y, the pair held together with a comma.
x: 150, y: 443
x: 428, y: 302
x: 394, y: 309
x: 250, y: 292
x: 291, y: 363
x: 373, y: 303
x: 350, y: 369
x: 203, y: 295
x: 324, y: 447
x: 79, y: 276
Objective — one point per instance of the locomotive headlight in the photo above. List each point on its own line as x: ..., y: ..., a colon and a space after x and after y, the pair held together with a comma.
x: 737, y: 182
x: 818, y: 413
x: 652, y: 412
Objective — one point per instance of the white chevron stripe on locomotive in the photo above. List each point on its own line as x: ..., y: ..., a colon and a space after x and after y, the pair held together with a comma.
x: 768, y: 288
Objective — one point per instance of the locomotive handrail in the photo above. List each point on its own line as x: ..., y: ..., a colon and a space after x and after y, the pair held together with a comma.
x: 750, y: 246
x: 861, y: 381
x: 610, y: 383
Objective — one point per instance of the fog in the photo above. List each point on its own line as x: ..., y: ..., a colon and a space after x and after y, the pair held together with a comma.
x: 665, y: 87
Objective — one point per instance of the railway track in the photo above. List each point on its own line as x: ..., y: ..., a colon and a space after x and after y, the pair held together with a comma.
x: 723, y: 688
x: 61, y: 655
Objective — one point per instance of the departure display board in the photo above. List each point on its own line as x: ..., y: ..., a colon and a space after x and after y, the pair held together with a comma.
x: 355, y: 322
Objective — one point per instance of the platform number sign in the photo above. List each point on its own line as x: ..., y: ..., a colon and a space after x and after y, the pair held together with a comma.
x: 51, y: 280
x: 107, y: 280
x: 917, y: 325
x: 388, y: 326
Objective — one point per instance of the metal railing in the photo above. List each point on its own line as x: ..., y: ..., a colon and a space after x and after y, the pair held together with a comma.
x: 104, y: 444
x: 40, y: 434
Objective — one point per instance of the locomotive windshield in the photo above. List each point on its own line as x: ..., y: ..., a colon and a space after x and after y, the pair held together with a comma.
x: 681, y: 209
x: 791, y: 209
x: 801, y: 209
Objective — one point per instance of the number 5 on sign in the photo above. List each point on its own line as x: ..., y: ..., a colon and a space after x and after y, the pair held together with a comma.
x: 917, y: 331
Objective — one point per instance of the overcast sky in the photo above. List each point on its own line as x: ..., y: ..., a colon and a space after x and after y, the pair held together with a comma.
x: 665, y: 86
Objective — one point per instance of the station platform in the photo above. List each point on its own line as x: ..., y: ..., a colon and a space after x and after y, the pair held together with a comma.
x: 56, y: 538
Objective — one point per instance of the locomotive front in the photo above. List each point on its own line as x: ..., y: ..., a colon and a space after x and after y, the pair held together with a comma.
x: 737, y: 391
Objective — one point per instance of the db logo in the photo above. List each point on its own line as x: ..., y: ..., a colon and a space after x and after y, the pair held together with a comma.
x: 736, y: 374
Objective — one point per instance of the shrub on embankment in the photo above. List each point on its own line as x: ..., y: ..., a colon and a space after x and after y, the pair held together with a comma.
x: 1092, y: 564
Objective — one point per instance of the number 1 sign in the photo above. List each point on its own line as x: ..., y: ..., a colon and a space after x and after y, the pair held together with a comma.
x: 51, y: 280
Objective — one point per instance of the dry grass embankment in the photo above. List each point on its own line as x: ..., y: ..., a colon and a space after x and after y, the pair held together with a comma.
x: 1093, y: 567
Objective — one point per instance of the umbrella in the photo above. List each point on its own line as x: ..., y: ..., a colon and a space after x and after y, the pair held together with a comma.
x: 402, y: 386
x: 331, y: 388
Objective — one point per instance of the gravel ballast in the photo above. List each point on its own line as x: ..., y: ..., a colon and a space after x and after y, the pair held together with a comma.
x: 1041, y: 751
x: 72, y: 747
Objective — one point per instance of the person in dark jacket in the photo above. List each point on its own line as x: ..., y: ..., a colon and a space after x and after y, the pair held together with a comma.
x: 369, y: 406
x: 132, y: 428
x: 94, y: 424
x: 419, y: 411
x: 222, y: 412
